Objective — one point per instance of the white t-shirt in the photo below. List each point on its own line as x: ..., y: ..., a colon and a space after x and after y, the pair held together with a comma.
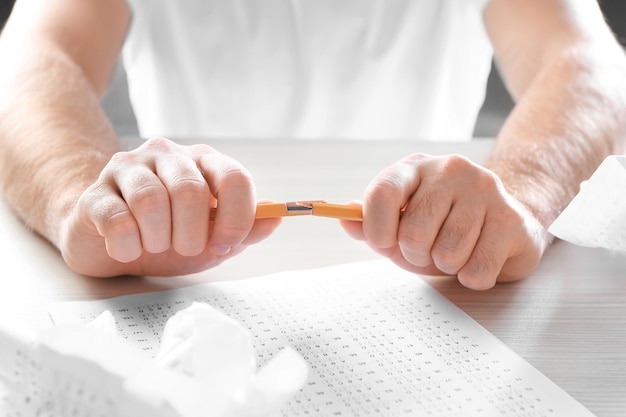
x: 401, y: 69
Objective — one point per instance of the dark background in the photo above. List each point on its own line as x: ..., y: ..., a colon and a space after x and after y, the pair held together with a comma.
x: 497, y: 102
x: 5, y: 8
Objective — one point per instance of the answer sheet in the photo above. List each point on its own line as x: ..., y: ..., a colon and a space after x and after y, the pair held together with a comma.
x: 378, y: 341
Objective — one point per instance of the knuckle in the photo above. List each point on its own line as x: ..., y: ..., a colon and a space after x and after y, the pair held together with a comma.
x: 447, y: 259
x: 448, y: 262
x: 238, y: 177
x: 380, y: 192
x: 478, y: 282
x: 390, y: 184
x: 419, y: 222
x: 148, y: 198
x: 483, y: 262
x: 394, y: 177
x: 453, y: 245
x: 455, y: 232
x: 425, y: 208
x: 202, y: 148
x: 416, y: 158
x: 234, y: 229
x: 415, y: 246
x: 454, y: 165
x: 459, y: 166
x: 118, y: 224
x: 412, y: 240
x: 96, y: 203
x: 189, y: 189
x: 120, y: 159
x: 233, y: 233
x: 487, y: 182
x: 379, y: 237
x: 506, y: 219
x: 188, y: 248
x: 159, y: 143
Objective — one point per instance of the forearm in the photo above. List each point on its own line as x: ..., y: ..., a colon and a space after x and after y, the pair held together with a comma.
x: 567, y: 121
x: 54, y: 136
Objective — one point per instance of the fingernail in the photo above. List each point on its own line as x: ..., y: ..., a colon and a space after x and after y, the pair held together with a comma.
x: 220, y: 249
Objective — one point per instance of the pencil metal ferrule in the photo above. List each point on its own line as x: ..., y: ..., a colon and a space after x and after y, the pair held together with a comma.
x: 297, y: 208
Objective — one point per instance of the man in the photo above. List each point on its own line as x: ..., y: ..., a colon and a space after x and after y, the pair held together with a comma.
x: 147, y: 211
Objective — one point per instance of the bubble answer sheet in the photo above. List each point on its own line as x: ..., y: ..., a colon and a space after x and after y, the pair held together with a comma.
x: 378, y: 341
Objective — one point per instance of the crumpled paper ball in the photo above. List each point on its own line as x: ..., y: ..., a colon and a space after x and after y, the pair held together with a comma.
x: 206, y: 366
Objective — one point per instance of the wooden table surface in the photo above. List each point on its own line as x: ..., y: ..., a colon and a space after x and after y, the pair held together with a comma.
x: 568, y: 318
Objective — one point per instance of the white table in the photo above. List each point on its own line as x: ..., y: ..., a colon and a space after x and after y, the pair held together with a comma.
x: 568, y: 319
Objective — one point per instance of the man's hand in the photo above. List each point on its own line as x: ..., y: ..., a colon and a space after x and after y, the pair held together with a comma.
x: 447, y: 215
x: 148, y: 213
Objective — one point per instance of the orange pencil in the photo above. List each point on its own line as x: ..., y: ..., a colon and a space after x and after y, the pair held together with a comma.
x: 302, y: 208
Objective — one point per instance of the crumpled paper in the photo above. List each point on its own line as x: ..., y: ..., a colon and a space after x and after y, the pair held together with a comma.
x: 206, y: 366
x: 596, y: 217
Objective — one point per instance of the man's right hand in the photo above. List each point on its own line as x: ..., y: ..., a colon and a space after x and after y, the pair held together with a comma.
x: 148, y: 213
